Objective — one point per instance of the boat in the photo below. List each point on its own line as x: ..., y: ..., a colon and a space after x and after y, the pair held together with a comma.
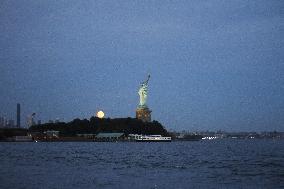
x: 149, y: 138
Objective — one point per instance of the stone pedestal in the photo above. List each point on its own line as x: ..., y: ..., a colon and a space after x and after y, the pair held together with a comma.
x: 143, y: 113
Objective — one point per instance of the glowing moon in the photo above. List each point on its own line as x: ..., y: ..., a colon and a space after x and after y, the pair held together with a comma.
x: 100, y: 114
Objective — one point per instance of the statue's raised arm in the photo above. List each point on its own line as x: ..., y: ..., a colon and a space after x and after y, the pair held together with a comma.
x: 146, y: 82
x: 148, y: 78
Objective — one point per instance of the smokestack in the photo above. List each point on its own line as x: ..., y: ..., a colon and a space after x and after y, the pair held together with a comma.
x: 18, y: 115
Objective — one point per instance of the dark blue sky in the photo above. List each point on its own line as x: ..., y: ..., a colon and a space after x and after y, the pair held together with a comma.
x: 214, y: 64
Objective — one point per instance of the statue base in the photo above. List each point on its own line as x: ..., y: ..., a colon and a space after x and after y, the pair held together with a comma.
x: 143, y: 113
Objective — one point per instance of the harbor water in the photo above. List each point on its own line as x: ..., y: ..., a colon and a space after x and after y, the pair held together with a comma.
x: 251, y: 163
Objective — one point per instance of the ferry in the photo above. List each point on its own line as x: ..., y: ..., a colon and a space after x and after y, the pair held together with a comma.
x: 149, y: 138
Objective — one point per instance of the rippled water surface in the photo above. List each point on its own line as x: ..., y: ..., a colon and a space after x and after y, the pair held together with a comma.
x: 202, y: 164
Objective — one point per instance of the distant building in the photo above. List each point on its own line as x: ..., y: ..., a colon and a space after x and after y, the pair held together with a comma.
x: 31, y: 121
x: 57, y: 120
x: 4, y: 122
x: 18, y: 115
x: 1, y: 122
x: 11, y: 123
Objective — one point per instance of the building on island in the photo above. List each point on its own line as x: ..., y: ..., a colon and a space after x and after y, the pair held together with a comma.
x: 107, y: 137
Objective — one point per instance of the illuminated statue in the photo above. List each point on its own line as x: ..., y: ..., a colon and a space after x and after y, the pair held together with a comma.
x: 143, y: 91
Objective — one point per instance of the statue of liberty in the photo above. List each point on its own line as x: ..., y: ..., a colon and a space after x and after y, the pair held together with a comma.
x: 143, y: 92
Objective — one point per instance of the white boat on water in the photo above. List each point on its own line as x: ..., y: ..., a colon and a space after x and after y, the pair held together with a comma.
x: 149, y: 138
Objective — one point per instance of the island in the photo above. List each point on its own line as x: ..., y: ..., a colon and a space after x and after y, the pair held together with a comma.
x: 89, y: 130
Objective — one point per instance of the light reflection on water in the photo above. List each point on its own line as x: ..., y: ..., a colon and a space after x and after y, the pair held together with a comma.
x: 204, y: 164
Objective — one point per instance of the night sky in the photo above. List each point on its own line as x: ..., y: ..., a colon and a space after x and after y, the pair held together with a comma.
x: 214, y: 65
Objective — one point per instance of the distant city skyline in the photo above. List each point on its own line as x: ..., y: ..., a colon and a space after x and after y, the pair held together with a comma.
x: 214, y: 65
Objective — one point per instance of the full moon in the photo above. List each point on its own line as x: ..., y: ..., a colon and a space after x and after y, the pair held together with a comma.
x: 100, y: 114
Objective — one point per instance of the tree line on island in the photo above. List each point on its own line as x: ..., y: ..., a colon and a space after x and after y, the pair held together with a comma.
x: 106, y: 125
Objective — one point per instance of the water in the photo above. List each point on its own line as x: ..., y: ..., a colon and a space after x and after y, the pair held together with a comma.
x: 203, y: 164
